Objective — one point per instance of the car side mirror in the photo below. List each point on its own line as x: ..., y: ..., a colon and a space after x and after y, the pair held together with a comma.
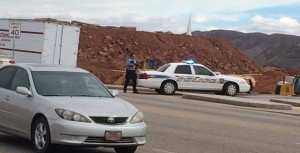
x: 115, y: 93
x: 217, y: 73
x: 23, y: 91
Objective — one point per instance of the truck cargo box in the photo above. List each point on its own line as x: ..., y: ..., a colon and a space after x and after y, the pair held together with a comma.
x: 40, y: 42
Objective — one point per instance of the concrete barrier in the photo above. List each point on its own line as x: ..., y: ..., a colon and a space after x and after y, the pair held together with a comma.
x: 245, y: 102
x: 294, y: 102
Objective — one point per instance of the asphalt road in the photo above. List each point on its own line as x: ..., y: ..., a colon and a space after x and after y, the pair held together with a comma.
x: 177, y: 125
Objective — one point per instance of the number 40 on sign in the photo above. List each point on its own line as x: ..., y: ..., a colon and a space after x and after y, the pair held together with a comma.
x: 15, y: 29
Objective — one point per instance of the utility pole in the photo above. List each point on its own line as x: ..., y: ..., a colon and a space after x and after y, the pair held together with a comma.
x: 189, y: 32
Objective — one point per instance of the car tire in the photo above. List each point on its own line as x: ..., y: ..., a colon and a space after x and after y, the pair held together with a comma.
x: 219, y: 93
x: 230, y: 89
x: 168, y: 88
x: 130, y: 149
x: 158, y: 91
x: 40, y: 136
x: 251, y: 86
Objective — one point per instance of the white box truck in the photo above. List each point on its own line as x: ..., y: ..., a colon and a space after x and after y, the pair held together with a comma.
x: 39, y: 42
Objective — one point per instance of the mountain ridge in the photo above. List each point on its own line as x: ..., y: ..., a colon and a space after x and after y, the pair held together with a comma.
x: 276, y: 50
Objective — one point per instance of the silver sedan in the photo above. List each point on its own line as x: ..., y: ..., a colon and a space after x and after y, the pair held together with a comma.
x: 68, y: 106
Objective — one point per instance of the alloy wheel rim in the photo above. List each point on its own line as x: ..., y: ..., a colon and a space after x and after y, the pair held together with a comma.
x: 231, y: 89
x: 169, y: 88
x: 40, y: 136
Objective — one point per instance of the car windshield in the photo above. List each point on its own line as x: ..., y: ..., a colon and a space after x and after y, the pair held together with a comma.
x: 49, y: 83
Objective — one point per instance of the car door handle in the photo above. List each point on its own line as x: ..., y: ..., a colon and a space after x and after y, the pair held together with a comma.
x: 7, y: 98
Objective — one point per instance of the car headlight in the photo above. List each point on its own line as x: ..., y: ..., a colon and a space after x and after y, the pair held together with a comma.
x: 137, y: 118
x: 71, y: 116
x: 243, y: 82
x: 248, y: 81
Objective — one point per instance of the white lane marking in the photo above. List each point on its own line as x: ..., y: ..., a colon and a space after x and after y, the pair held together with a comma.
x: 164, y: 151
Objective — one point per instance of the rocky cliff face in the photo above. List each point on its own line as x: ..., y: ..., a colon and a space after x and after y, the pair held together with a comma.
x: 275, y: 50
x: 102, y: 50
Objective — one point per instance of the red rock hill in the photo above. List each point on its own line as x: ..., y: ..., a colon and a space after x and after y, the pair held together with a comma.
x: 101, y: 50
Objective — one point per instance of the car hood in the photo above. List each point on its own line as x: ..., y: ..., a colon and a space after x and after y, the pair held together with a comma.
x: 94, y: 106
x: 231, y: 78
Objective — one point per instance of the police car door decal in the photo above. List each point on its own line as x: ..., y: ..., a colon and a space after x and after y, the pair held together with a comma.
x: 184, y: 77
x: 205, y: 79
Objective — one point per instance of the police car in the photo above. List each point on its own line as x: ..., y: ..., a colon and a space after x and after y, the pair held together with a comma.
x: 190, y: 76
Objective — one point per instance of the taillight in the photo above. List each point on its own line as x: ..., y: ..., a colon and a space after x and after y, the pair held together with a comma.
x: 1, y: 62
x: 12, y: 61
x: 144, y: 76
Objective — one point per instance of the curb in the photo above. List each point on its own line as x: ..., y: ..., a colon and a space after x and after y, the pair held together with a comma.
x: 129, y: 88
x: 237, y: 101
x: 118, y: 87
x: 292, y: 102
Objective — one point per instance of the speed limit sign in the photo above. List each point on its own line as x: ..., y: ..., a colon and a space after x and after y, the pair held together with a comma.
x: 14, y: 29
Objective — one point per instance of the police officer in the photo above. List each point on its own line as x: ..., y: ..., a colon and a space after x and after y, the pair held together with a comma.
x: 131, y: 65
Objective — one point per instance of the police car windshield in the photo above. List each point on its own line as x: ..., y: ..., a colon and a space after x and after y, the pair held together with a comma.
x: 163, y: 68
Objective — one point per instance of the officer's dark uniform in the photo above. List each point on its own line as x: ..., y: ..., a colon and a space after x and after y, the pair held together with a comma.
x: 130, y: 74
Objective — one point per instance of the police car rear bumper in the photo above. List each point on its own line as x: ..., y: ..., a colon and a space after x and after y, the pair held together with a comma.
x: 149, y: 83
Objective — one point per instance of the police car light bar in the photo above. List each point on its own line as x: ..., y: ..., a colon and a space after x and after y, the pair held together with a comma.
x: 189, y: 61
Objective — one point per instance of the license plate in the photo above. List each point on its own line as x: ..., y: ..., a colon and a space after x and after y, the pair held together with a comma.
x: 113, y: 135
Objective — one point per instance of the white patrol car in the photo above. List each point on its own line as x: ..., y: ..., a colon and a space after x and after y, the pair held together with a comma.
x: 190, y: 76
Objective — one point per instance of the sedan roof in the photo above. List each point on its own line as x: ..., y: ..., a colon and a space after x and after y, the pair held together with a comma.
x: 50, y: 67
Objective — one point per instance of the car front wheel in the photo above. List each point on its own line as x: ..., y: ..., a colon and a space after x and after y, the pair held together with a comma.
x: 168, y: 88
x: 130, y: 149
x: 158, y: 91
x: 40, y: 136
x: 219, y: 93
x: 230, y: 89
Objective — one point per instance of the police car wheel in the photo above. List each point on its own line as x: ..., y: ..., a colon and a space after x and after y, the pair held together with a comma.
x: 219, y: 93
x: 158, y: 91
x: 168, y: 88
x: 230, y: 89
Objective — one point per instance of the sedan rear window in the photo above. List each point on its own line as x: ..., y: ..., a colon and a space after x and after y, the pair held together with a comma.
x: 68, y: 84
x: 163, y: 68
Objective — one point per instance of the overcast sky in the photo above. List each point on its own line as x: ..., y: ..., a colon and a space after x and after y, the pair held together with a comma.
x: 266, y: 16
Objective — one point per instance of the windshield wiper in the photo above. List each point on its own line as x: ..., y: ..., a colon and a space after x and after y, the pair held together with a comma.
x: 53, y: 95
x: 83, y: 95
x: 86, y: 96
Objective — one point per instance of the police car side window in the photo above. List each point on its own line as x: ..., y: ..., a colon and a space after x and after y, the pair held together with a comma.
x: 199, y: 70
x: 183, y: 69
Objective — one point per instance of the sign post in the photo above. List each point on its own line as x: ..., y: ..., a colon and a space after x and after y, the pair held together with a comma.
x: 14, y: 31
